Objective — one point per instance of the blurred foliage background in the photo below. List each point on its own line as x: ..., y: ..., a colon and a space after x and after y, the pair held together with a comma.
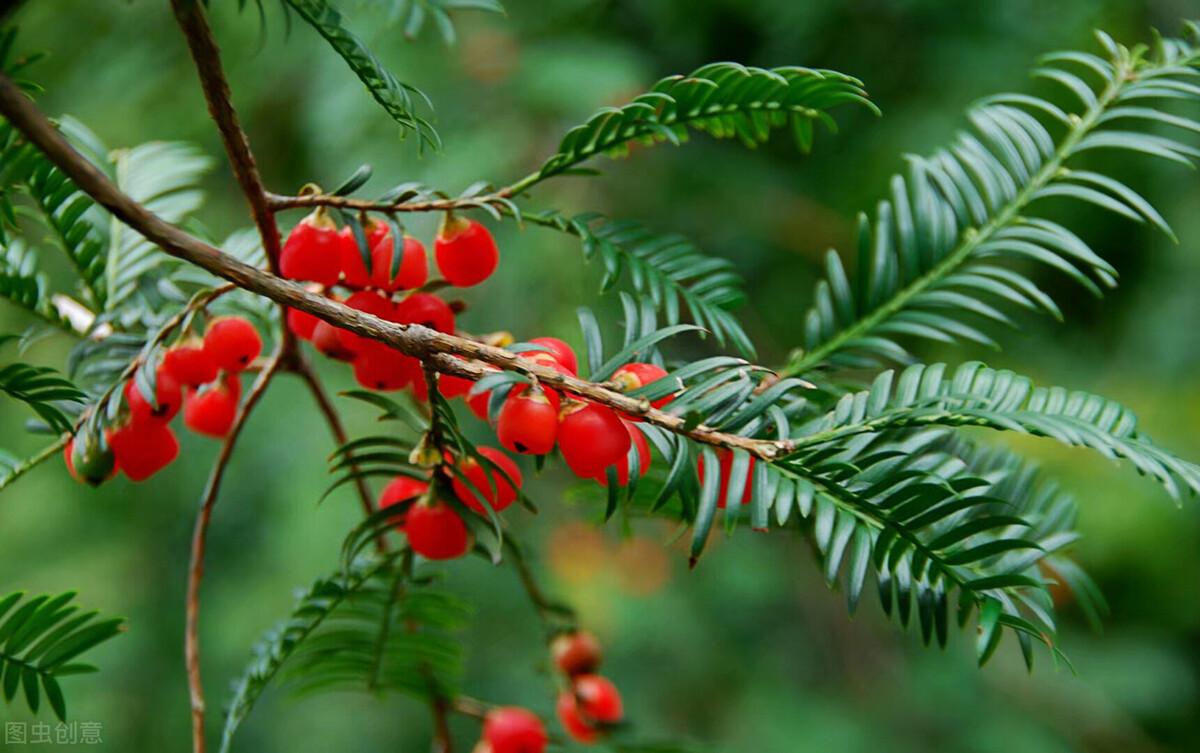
x: 751, y: 652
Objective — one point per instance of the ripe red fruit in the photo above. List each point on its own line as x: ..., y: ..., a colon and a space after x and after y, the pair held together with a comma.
x: 211, y: 410
x: 401, y: 489
x: 504, y: 492
x: 378, y: 367
x: 598, y: 699
x: 436, y: 532
x: 414, y: 264
x: 560, y: 350
x: 622, y: 465
x: 301, y: 323
x: 369, y: 302
x: 512, y: 729
x: 325, y: 339
x: 143, y: 449
x: 168, y: 397
x: 528, y: 422
x: 188, y: 363
x: 232, y: 343
x: 465, y: 251
x: 91, y: 464
x: 631, y: 376
x: 725, y: 460
x: 312, y: 251
x: 572, y: 721
x: 576, y: 653
x: 591, y: 437
x: 354, y: 271
x: 426, y: 309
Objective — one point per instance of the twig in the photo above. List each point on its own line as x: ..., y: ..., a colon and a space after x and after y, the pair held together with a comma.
x: 203, y: 46
x: 33, y: 461
x: 547, y: 608
x: 305, y: 371
x: 191, y: 641
x: 436, y: 348
x: 472, y: 707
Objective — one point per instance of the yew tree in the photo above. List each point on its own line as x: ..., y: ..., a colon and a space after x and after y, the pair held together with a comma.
x: 851, y: 443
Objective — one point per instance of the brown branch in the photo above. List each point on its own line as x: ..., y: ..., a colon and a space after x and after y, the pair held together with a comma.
x: 203, y: 46
x: 279, y: 203
x: 443, y: 742
x: 191, y: 640
x: 305, y: 371
x: 436, y: 348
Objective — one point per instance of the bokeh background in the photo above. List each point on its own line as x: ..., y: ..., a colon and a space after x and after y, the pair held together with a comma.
x: 751, y: 652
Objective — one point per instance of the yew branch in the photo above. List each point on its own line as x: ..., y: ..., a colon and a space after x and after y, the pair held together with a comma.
x: 436, y: 348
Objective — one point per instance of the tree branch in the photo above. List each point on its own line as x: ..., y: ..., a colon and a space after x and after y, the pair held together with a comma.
x: 305, y: 371
x: 414, y: 340
x: 191, y: 641
x: 191, y: 17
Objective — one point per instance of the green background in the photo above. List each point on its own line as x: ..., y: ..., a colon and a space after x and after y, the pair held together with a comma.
x: 750, y: 652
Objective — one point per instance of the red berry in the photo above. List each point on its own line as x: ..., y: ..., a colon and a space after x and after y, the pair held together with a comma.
x: 91, y: 464
x: 466, y: 252
x: 211, y: 410
x: 312, y: 251
x: 378, y: 367
x: 436, y: 532
x: 354, y: 270
x: 598, y: 699
x: 402, y: 489
x: 325, y: 339
x: 575, y: 725
x: 528, y: 422
x: 143, y: 449
x: 189, y: 364
x: 414, y: 265
x: 591, y: 437
x: 425, y: 309
x: 168, y: 397
x: 725, y: 459
x: 232, y: 343
x: 514, y: 730
x: 576, y: 653
x: 301, y: 323
x: 560, y: 350
x: 369, y: 302
x: 622, y: 466
x: 632, y: 376
x: 500, y: 492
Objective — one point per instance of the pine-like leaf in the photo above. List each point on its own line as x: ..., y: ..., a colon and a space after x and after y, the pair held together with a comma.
x: 974, y: 395
x: 725, y: 100
x: 395, y: 96
x: 414, y: 15
x: 666, y: 271
x: 940, y: 246
x: 312, y: 608
x: 163, y: 177
x: 43, y: 390
x: 40, y: 640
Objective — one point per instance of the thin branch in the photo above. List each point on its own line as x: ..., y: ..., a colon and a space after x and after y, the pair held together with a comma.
x: 305, y: 371
x: 203, y: 46
x: 549, y: 610
x: 279, y: 202
x: 414, y: 340
x: 191, y: 641
x: 33, y: 461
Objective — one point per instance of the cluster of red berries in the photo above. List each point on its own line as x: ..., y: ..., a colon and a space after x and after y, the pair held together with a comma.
x: 201, y: 377
x: 590, y: 705
x: 587, y: 709
x: 435, y: 529
x: 592, y: 438
x: 316, y: 251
